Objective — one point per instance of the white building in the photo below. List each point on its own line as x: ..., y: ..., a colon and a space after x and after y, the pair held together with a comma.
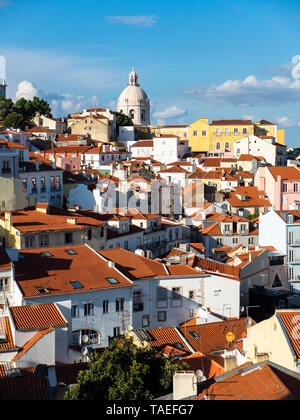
x: 134, y: 102
x: 274, y: 153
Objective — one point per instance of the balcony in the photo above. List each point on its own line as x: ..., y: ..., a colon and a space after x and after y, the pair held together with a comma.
x: 138, y: 306
x: 155, y: 245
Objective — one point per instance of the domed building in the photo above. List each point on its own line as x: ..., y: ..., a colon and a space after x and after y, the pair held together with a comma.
x: 134, y: 102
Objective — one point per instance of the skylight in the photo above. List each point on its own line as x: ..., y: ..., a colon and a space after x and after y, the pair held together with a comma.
x: 194, y: 334
x: 112, y: 280
x: 76, y: 284
x: 46, y: 254
x: 70, y: 252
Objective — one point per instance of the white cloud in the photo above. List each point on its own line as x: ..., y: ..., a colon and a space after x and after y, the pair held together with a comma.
x: 139, y: 21
x: 248, y: 117
x: 172, y: 112
x: 286, y: 122
x: 26, y: 90
x: 251, y: 91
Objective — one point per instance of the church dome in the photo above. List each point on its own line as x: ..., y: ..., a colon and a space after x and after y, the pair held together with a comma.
x: 134, y: 101
x: 133, y: 95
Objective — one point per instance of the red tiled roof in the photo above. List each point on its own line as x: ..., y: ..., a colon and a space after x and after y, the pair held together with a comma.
x: 254, y: 383
x: 231, y: 122
x: 5, y: 328
x: 24, y: 389
x: 143, y: 143
x: 291, y: 322
x: 166, y: 336
x: 212, y: 336
x: 35, y: 317
x: 254, y: 197
x: 11, y: 145
x: 36, y: 272
x: 287, y: 173
x: 203, y: 362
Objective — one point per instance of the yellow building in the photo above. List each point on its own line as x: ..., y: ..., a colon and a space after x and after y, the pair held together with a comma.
x: 198, y: 135
x: 218, y: 136
x: 276, y: 339
x: 180, y: 131
x: 266, y: 128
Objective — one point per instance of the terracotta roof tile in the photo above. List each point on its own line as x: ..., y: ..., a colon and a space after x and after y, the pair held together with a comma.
x: 291, y: 322
x: 35, y: 317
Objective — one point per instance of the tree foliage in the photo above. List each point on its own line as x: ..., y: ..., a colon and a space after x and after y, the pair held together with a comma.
x: 14, y: 120
x: 125, y: 372
x: 18, y: 114
x: 122, y: 120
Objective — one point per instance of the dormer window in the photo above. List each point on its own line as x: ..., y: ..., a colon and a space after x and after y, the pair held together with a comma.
x: 290, y: 218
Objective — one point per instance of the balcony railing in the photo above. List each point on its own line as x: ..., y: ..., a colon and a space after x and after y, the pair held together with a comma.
x: 294, y: 242
x: 155, y: 245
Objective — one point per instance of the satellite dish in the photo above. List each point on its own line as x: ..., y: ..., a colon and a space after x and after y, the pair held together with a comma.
x: 85, y: 339
x: 84, y: 351
x: 200, y: 376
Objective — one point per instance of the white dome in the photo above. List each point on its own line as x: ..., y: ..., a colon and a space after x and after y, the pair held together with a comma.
x: 134, y: 96
x: 134, y: 101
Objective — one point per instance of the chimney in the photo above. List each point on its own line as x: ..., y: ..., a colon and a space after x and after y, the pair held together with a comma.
x: 184, y: 385
x: 111, y: 264
x: 73, y: 221
x: 230, y: 363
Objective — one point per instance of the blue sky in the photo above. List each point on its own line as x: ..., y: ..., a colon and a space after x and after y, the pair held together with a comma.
x: 215, y: 59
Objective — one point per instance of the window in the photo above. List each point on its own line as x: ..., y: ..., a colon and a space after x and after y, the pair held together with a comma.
x: 218, y: 131
x: 68, y: 238
x: 192, y: 294
x: 204, y: 133
x: 217, y: 292
x: 243, y: 228
x: 245, y: 131
x: 29, y: 241
x: 251, y: 241
x: 44, y: 241
x: 88, y: 309
x: 43, y: 184
x: 227, y: 146
x: 89, y: 234
x: 291, y: 273
x: 47, y: 254
x: 234, y: 240
x: 191, y: 313
x: 161, y: 294
x: 57, y: 183
x: 235, y: 131
x: 117, y: 331
x: 145, y: 321
x: 195, y: 133
x: 24, y: 184
x: 176, y: 293
x: 227, y: 131
x: 33, y: 185
x: 161, y: 316
x: 194, y: 334
x: 120, y: 304
x: 296, y: 187
x: 76, y: 284
x: 291, y: 255
x: 70, y: 252
x: 218, y: 146
x: 3, y: 284
x: 105, y: 306
x: 277, y: 282
x: 91, y: 337
x: 284, y: 188
x: 52, y: 183
x: 112, y: 280
x: 74, y: 311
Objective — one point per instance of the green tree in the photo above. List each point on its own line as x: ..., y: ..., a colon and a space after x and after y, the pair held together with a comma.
x: 122, y: 120
x: 41, y: 106
x: 126, y: 372
x: 6, y: 107
x: 25, y: 108
x: 14, y: 120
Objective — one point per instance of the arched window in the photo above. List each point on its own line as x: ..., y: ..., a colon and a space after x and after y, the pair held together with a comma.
x: 85, y: 337
x: 131, y: 114
x: 227, y: 146
x: 218, y: 146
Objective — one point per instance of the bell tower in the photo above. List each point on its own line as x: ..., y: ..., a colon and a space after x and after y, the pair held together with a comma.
x: 3, y: 87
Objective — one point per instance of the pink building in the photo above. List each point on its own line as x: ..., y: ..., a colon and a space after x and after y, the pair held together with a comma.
x: 281, y: 184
